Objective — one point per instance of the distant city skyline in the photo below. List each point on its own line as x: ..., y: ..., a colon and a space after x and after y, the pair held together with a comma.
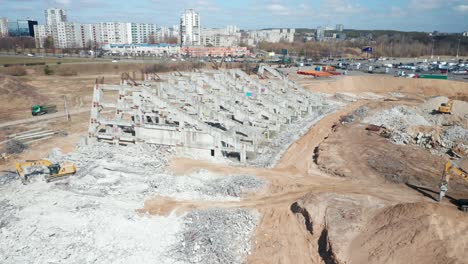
x: 412, y: 15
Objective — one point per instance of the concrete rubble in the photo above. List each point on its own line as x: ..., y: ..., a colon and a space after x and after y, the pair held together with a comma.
x: 216, y: 236
x: 424, y: 127
x: 86, y: 217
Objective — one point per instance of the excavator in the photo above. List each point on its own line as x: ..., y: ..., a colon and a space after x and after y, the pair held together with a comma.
x: 446, y: 108
x: 52, y: 171
x: 455, y: 168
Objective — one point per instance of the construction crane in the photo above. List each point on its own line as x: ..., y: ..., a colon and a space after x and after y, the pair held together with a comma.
x: 446, y: 108
x: 216, y: 65
x: 456, y: 168
x: 53, y: 171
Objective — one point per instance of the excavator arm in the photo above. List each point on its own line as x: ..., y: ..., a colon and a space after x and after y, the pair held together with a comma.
x: 452, y: 169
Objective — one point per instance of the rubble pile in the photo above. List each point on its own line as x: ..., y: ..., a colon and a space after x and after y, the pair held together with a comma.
x: 216, y: 236
x: 273, y: 152
x: 91, y: 217
x: 420, y: 126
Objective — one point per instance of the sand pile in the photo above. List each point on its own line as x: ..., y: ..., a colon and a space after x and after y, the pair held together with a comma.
x: 413, y: 233
x: 350, y: 228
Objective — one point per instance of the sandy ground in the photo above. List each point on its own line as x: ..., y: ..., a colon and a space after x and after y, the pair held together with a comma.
x: 324, y: 202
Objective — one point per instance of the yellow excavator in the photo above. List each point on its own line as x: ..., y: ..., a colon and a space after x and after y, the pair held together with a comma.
x: 446, y: 108
x: 456, y: 168
x: 52, y: 171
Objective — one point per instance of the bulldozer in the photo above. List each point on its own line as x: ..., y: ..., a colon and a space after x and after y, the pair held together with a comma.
x: 454, y: 168
x: 52, y: 171
x: 446, y: 108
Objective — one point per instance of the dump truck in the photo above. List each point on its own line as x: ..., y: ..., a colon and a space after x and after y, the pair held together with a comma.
x: 52, y: 171
x: 43, y: 109
x: 454, y: 168
x: 446, y: 108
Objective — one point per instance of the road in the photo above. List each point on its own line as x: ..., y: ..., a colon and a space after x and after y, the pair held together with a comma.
x: 41, y: 118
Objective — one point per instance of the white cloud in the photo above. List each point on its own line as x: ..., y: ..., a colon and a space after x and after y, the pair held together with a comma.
x: 62, y: 2
x: 461, y: 8
x: 278, y: 9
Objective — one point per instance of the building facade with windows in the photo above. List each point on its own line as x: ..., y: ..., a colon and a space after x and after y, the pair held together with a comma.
x: 190, y: 29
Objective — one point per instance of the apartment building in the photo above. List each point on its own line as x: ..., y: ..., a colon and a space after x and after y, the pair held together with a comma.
x: 190, y: 29
x: 115, y: 33
x: 143, y: 33
x: 3, y: 27
x: 56, y: 19
x: 271, y: 35
x: 40, y: 34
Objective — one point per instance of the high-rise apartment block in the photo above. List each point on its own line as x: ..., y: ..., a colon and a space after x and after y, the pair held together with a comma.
x: 3, y: 27
x: 190, y: 29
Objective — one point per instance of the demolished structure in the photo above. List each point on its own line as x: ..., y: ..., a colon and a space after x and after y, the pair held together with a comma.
x: 210, y: 113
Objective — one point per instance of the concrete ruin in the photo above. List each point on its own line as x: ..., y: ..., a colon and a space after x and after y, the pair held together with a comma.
x: 210, y: 113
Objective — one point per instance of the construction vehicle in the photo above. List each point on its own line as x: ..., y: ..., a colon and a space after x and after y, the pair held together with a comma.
x: 446, y: 108
x: 457, y: 168
x: 52, y: 171
x: 43, y: 109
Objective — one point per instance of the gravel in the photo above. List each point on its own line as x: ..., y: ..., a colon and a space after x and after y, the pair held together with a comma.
x: 216, y: 236
x: 399, y: 118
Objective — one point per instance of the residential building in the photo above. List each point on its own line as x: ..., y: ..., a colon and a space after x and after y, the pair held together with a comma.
x: 88, y: 35
x: 190, y: 29
x: 271, y: 35
x: 56, y: 20
x: 143, y: 33
x: 40, y: 34
x: 220, y: 37
x: 3, y: 27
x: 320, y: 34
x: 115, y: 33
x: 339, y: 27
x: 142, y: 49
x: 65, y: 35
x: 465, y: 34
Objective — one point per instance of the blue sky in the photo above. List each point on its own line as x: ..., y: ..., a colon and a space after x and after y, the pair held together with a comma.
x: 409, y: 15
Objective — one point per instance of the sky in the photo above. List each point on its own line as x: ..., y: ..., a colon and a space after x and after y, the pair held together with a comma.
x: 407, y: 15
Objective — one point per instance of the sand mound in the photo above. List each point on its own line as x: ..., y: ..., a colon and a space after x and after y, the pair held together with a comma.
x: 413, y: 233
x: 350, y: 228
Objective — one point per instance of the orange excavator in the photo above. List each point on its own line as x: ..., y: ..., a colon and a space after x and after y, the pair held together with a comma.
x: 454, y: 168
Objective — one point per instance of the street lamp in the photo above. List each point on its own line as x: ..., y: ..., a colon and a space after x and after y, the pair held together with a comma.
x: 458, y: 48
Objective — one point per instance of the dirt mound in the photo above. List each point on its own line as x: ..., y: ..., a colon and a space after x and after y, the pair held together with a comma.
x: 413, y: 233
x: 381, y: 84
x: 379, y: 160
x: 352, y: 228
x: 16, y: 95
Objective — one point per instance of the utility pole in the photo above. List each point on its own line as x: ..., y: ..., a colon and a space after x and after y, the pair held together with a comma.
x: 66, y: 108
x: 432, y: 51
x: 458, y: 48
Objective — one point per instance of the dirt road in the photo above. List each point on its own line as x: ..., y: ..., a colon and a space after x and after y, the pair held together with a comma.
x: 42, y: 118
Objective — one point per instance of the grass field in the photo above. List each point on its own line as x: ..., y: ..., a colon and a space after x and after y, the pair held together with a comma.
x: 48, y: 60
